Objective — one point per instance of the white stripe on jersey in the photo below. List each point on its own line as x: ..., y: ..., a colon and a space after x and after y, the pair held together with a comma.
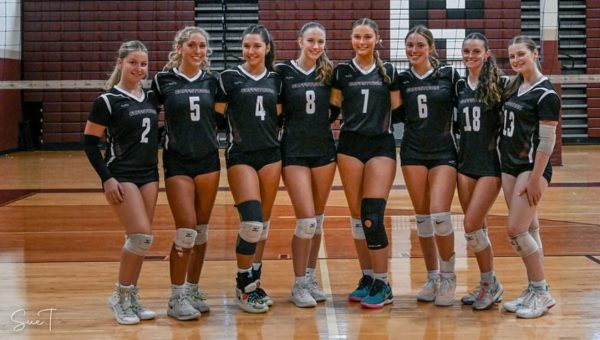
x: 112, y: 149
x: 105, y: 98
x: 546, y: 92
x: 531, y: 150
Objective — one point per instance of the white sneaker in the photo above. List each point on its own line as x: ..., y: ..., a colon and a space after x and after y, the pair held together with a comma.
x: 313, y: 288
x: 120, y: 303
x: 429, y: 290
x: 140, y: 310
x: 445, y: 294
x: 198, y: 298
x: 537, y: 304
x: 514, y: 305
x: 181, y: 308
x: 301, y: 296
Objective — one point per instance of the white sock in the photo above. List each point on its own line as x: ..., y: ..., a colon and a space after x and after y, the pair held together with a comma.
x: 256, y: 266
x: 381, y: 276
x: 310, y: 271
x: 368, y: 272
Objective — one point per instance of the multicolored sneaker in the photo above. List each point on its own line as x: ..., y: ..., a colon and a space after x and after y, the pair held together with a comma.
x: 489, y: 294
x: 429, y: 290
x: 537, y: 304
x: 247, y: 295
x: 260, y: 291
x: 364, y: 286
x: 380, y: 295
x: 313, y: 288
x: 514, y: 305
x: 470, y: 298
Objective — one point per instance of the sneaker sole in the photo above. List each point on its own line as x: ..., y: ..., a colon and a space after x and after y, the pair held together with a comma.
x: 377, y: 305
x: 536, y: 316
x: 355, y: 298
x: 247, y: 309
x: 183, y: 318
x: 148, y: 317
x: 122, y: 321
x: 422, y: 299
x: 303, y: 305
x: 444, y: 303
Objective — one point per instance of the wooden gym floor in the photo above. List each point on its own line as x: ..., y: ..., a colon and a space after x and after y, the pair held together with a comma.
x: 59, y: 243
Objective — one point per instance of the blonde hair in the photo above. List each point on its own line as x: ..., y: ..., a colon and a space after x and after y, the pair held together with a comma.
x: 378, y: 62
x: 324, y: 69
x: 181, y: 37
x: 124, y: 50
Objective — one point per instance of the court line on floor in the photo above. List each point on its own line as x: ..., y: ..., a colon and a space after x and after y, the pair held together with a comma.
x: 332, y: 326
x: 593, y: 258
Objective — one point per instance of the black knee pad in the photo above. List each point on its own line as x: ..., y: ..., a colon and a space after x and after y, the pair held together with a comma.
x: 372, y: 211
x: 244, y: 247
x: 250, y: 211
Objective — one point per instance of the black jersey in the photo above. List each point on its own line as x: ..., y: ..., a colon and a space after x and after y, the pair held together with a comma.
x: 189, y: 105
x: 131, y: 130
x: 366, y: 98
x: 251, y: 109
x: 307, y: 132
x: 429, y: 102
x: 522, y: 113
x: 478, y: 126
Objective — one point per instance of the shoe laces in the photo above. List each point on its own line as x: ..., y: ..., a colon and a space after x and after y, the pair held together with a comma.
x: 376, y: 287
x: 445, y: 284
x: 255, y: 296
x: 365, y: 282
x: 197, y: 295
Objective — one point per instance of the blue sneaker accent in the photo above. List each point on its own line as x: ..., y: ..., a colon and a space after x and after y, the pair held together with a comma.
x: 364, y: 285
x: 379, y: 295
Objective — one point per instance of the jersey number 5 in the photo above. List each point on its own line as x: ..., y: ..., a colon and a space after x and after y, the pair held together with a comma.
x: 195, y: 109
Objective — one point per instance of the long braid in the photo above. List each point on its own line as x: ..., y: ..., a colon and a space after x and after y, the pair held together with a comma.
x: 380, y: 69
x: 324, y: 69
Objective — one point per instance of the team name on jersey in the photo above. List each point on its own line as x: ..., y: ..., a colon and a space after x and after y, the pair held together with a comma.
x: 366, y: 83
x: 191, y: 91
x: 141, y: 112
x: 423, y: 88
x: 307, y: 84
x: 513, y: 105
x: 469, y: 101
x: 257, y: 90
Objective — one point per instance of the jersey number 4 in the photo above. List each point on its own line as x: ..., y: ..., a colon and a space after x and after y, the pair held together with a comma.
x: 260, y: 109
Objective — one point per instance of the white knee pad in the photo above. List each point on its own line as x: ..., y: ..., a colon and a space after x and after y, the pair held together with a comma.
x: 305, y: 228
x: 524, y: 244
x: 357, y: 230
x: 442, y: 223
x: 265, y: 232
x: 250, y: 231
x: 535, y: 233
x: 185, y: 238
x: 319, y: 228
x: 202, y: 236
x: 424, y: 226
x: 138, y: 244
x: 477, y: 240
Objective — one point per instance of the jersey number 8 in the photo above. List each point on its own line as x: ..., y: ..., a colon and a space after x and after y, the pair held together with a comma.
x: 310, y: 102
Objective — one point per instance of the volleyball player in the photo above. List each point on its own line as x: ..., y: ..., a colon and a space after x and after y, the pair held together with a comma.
x: 531, y: 112
x: 191, y: 161
x: 428, y: 159
x: 129, y: 117
x: 478, y: 120
x: 365, y: 89
x: 249, y: 99
x: 308, y: 153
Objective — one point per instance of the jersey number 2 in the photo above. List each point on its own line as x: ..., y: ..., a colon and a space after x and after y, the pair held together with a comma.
x: 146, y: 126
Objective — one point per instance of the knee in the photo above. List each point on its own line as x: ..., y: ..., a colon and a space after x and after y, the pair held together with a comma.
x: 306, y: 228
x: 524, y: 244
x: 138, y: 244
x: 477, y: 240
x: 185, y: 239
x: 372, y: 215
x: 442, y: 223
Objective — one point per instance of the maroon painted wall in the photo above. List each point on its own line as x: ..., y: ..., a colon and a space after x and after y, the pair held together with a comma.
x: 78, y: 40
x: 10, y: 110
